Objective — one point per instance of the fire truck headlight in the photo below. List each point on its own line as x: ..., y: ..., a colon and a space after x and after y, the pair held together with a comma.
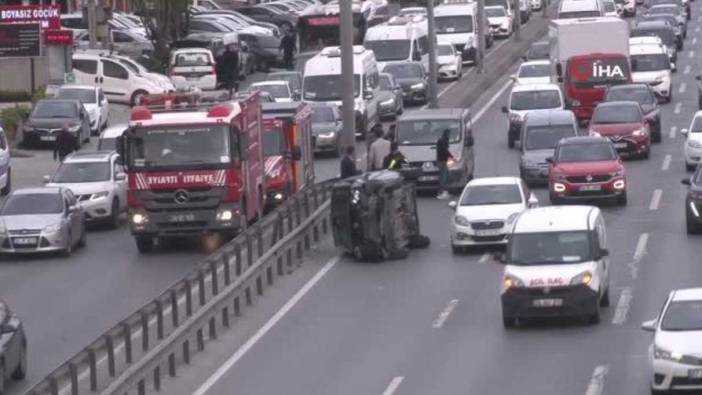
x: 278, y: 196
x: 225, y: 215
x: 139, y: 218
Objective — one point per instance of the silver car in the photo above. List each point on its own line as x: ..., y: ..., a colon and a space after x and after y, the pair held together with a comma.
x: 46, y: 219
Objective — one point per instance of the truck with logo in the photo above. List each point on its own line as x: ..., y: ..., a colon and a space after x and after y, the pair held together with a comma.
x: 589, y: 55
x: 193, y: 168
x: 287, y: 150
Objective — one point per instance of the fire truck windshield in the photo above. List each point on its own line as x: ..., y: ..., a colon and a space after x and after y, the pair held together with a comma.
x: 273, y: 142
x: 164, y: 147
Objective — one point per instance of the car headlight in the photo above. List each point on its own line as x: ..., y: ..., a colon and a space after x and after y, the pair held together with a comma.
x: 74, y: 128
x: 505, y: 25
x: 461, y: 220
x: 3, y: 228
x: 452, y: 163
x: 661, y: 353
x: 559, y: 187
x: 619, y: 184
x: 139, y: 218
x: 387, y: 103
x: 511, y: 282
x: 28, y: 128
x: 99, y: 195
x: 584, y: 278
x: 327, y: 135
x: 52, y: 228
x: 639, y: 132
x: 418, y: 86
x: 225, y: 215
x: 694, y: 144
x: 575, y: 103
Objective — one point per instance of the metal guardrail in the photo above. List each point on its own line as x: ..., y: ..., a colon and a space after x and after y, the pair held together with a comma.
x: 137, y: 352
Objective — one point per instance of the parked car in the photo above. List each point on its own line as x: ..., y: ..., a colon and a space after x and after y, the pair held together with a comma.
x: 108, y: 138
x: 448, y: 61
x: 49, y: 116
x: 13, y: 344
x: 624, y: 123
x: 99, y: 182
x: 327, y: 128
x: 93, y: 100
x: 280, y: 90
x: 125, y: 42
x: 286, y: 22
x: 294, y: 79
x: 644, y: 95
x: 412, y: 79
x: 193, y: 67
x: 390, y: 103
x: 41, y: 220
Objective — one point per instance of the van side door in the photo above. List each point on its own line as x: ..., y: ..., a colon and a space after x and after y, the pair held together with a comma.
x: 86, y: 71
x: 115, y: 81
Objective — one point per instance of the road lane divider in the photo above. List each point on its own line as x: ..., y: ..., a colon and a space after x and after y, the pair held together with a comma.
x: 677, y: 108
x: 687, y: 69
x: 683, y: 87
x: 691, y: 54
x: 597, y: 381
x: 444, y: 315
x: 694, y: 40
x: 484, y: 258
x: 666, y: 162
x: 673, y: 132
x: 640, y: 249
x: 655, y: 199
x: 393, y: 386
x: 622, y: 311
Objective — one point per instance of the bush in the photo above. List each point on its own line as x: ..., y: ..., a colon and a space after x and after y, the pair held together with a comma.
x: 11, y: 119
x: 38, y: 95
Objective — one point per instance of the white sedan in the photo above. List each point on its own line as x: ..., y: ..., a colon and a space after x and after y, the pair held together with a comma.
x: 693, y: 142
x: 93, y: 100
x: 675, y: 354
x: 450, y: 64
x: 500, y: 21
x: 280, y: 90
x: 487, y: 209
x: 533, y: 72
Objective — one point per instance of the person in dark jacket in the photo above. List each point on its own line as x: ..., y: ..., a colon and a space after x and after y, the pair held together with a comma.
x: 395, y: 159
x: 65, y: 144
x: 230, y: 69
x: 442, y: 156
x: 348, y: 163
x: 287, y: 45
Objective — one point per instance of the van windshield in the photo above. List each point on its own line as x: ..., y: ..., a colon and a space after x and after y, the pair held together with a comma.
x: 451, y: 24
x: 547, y: 137
x: 387, y: 50
x: 549, y: 248
x: 327, y: 87
x: 579, y: 14
x: 427, y: 132
x: 535, y: 100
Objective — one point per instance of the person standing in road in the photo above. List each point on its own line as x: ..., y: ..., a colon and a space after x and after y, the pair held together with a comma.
x: 378, y: 150
x: 65, y: 144
x: 348, y: 163
x: 230, y: 69
x: 287, y: 45
x: 442, y: 156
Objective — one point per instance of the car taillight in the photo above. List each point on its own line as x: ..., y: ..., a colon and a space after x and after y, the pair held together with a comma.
x: 214, y: 69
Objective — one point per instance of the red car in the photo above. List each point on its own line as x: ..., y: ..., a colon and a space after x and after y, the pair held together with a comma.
x: 624, y: 123
x: 585, y: 168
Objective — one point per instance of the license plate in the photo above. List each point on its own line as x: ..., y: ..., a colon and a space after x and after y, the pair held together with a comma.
x: 620, y: 145
x: 25, y: 240
x: 182, y: 217
x: 47, y: 138
x: 590, y: 188
x: 694, y: 373
x: 488, y: 232
x: 428, y: 178
x: 548, y: 302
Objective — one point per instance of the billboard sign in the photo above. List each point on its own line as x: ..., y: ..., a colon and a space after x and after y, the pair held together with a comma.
x: 20, y: 40
x: 49, y: 16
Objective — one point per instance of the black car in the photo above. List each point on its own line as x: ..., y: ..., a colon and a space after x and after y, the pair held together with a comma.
x: 412, y: 78
x: 538, y: 50
x: 49, y: 116
x: 671, y: 20
x: 390, y: 103
x: 678, y: 3
x: 661, y: 30
x: 263, y: 14
x: 13, y: 343
x: 644, y: 95
x: 693, y: 202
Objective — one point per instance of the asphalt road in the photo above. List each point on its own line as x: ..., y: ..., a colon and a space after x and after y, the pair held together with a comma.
x: 431, y: 324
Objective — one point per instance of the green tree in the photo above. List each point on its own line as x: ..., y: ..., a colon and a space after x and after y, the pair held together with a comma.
x: 165, y: 22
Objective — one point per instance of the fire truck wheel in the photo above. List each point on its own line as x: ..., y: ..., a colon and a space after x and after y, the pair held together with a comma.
x: 144, y: 243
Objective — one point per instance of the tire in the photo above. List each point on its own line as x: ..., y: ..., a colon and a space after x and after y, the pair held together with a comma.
x: 658, y: 392
x: 8, y: 186
x: 554, y: 200
x: 690, y: 167
x: 622, y: 199
x: 457, y: 249
x: 2, y: 378
x: 509, y: 322
x: 21, y: 370
x: 144, y: 244
x: 691, y: 227
x: 646, y: 154
x: 83, y: 237
x: 114, y: 214
x: 510, y: 140
x: 594, y: 318
x: 604, y: 302
x: 69, y: 248
x: 656, y: 137
x: 137, y: 95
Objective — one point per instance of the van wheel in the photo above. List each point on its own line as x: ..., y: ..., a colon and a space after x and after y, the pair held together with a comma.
x: 144, y: 243
x: 510, y: 140
x: 605, y: 298
x: 137, y: 96
x: 594, y: 318
x: 509, y: 322
x: 622, y: 199
x: 114, y: 214
x: 8, y: 186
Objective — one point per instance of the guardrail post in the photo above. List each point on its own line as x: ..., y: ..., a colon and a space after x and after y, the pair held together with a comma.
x: 188, y: 297
x: 299, y: 252
x: 144, y: 331
x: 157, y: 378
x: 159, y: 319
x: 141, y: 387
x: 225, y: 316
x: 237, y: 255
x: 215, y: 280
x: 291, y: 222
x: 174, y: 308
x: 259, y: 285
x: 247, y: 292
x: 269, y: 275
x: 186, y: 351
x: 259, y: 240
x: 276, y: 227
x: 237, y: 307
x: 279, y: 264
x: 200, y: 340
x: 325, y: 226
x: 315, y: 233
x: 227, y: 269
x: 54, y: 385
x: 289, y: 259
x: 213, y: 328
x: 127, y: 333
x: 74, y: 378
x: 298, y: 210
x: 92, y: 362
x: 315, y: 198
x: 249, y: 250
x: 306, y: 204
x: 110, y: 355
x: 171, y: 365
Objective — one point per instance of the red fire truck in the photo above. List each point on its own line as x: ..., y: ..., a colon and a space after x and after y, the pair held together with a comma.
x: 287, y: 148
x: 193, y: 169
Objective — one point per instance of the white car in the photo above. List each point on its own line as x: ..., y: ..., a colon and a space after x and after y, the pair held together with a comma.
x: 108, y: 138
x: 486, y: 211
x: 193, y: 67
x: 693, y: 142
x: 675, y: 355
x: 536, y: 5
x: 499, y: 20
x: 650, y: 64
x: 533, y: 72
x: 449, y: 63
x: 93, y: 100
x: 280, y: 90
x: 530, y: 98
x: 98, y: 181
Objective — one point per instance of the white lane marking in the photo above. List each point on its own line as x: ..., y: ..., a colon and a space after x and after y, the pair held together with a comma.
x: 678, y: 106
x: 666, y: 162
x: 694, y: 41
x: 622, y: 311
x: 393, y: 386
x: 445, y: 313
x: 492, y: 101
x: 655, y: 199
x: 673, y: 131
x: 596, y: 386
x: 640, y: 250
x: 691, y: 54
x: 484, y: 258
x: 687, y: 69
x: 683, y: 87
x: 222, y: 370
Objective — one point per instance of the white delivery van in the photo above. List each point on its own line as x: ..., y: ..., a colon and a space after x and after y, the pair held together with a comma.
x: 556, y: 265
x: 456, y: 23
x: 193, y: 67
x: 322, y: 83
x: 651, y: 65
x: 400, y: 39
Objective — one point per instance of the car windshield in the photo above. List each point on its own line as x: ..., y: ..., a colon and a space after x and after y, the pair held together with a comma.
x: 538, y: 51
x: 616, y: 114
x: 82, y: 172
x: 384, y: 83
x: 547, y: 137
x: 480, y: 195
x: 322, y: 115
x: 666, y: 35
x: 278, y: 91
x: 83, y: 95
x: 639, y: 95
x: 495, y: 12
x: 32, y: 204
x: 534, y: 70
x: 387, y: 50
x: 327, y: 87
x: 653, y: 62
x: 609, y: 6
x: 668, y: 18
x: 683, y: 316
x: 588, y: 152
x: 107, y: 144
x: 404, y: 70
x: 55, y: 109
x: 549, y: 248
x: 664, y: 9
x: 427, y: 132
x: 696, y: 125
x: 535, y: 100
x: 451, y: 24
x: 444, y: 50
x: 176, y: 146
x: 192, y: 59
x: 273, y: 142
x: 292, y: 79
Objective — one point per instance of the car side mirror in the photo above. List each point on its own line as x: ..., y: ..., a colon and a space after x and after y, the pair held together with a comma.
x: 505, y: 110
x: 4, y: 329
x: 649, y: 326
x: 673, y: 67
x: 604, y: 252
x: 72, y: 209
x: 559, y: 79
x: 684, y: 131
x: 469, y: 141
x: 685, y: 181
x: 47, y: 179
x: 453, y: 204
x: 559, y: 70
x: 549, y: 159
x: 120, y: 177
x: 533, y: 201
x: 296, y: 153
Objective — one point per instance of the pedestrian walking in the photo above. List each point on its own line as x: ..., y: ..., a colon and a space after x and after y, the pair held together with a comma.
x: 392, y: 133
x: 287, y: 46
x: 395, y: 160
x: 442, y: 156
x: 65, y: 144
x: 348, y: 163
x: 230, y: 69
x: 378, y: 150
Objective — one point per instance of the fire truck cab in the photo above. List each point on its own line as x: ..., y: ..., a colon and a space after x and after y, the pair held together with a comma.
x: 193, y: 168
x: 287, y: 150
